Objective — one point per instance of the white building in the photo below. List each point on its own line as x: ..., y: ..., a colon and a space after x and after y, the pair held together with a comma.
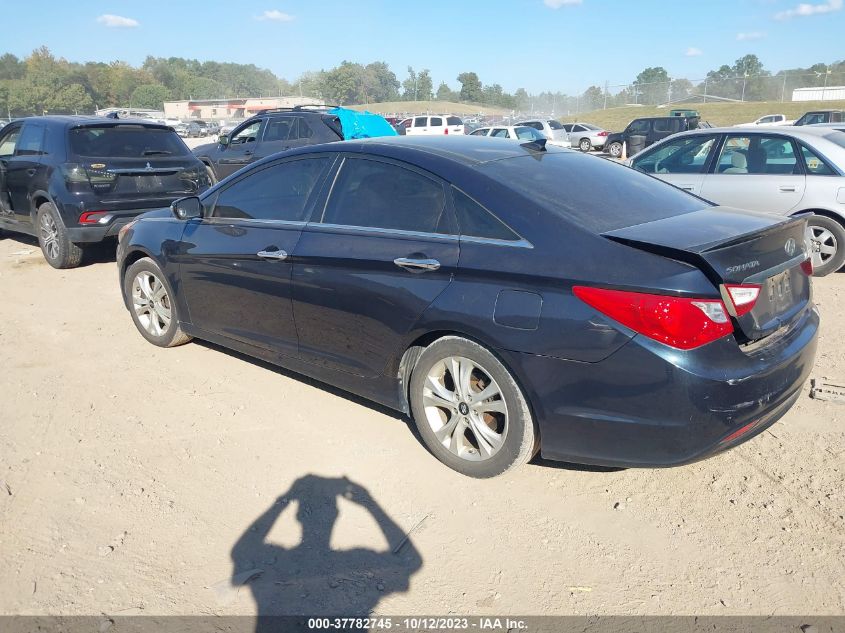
x: 226, y: 109
x: 830, y: 93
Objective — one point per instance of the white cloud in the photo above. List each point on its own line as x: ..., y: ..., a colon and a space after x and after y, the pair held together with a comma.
x: 117, y: 21
x: 804, y: 9
x: 274, y: 15
x: 747, y: 37
x: 557, y: 4
x: 692, y: 51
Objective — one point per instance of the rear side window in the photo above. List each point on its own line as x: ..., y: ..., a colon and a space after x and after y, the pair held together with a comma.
x: 421, y: 121
x: 125, y: 141
x: 815, y: 165
x: 279, y: 129
x: 664, y: 125
x: 476, y: 221
x: 373, y: 194
x: 279, y: 192
x: 595, y: 194
x: 555, y: 125
x: 453, y: 120
x: 436, y: 121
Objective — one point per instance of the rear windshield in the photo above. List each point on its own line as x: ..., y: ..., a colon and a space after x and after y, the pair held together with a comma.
x: 555, y: 125
x: 592, y: 192
x: 125, y: 141
x: 838, y: 137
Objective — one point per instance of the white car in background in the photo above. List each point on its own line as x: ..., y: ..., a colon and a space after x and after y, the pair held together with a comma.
x: 436, y: 125
x: 514, y: 132
x: 769, y: 120
x: 553, y: 130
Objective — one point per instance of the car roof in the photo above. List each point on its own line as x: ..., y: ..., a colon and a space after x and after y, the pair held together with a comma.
x: 89, y: 120
x: 799, y: 131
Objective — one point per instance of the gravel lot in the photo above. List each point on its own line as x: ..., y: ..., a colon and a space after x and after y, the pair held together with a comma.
x: 130, y: 478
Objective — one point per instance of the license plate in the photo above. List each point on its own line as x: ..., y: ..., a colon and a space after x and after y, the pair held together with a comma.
x: 779, y: 288
x: 148, y: 183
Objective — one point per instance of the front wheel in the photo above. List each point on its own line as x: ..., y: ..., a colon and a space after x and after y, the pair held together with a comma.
x: 469, y: 410
x: 615, y: 149
x: 57, y: 248
x: 585, y: 145
x: 152, y: 304
x: 827, y: 245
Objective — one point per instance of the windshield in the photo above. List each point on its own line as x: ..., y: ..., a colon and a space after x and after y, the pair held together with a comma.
x: 596, y: 194
x: 125, y: 141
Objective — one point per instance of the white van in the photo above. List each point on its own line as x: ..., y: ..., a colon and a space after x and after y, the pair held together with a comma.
x: 438, y: 124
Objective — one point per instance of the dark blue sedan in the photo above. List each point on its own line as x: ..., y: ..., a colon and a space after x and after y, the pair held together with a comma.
x: 510, y: 298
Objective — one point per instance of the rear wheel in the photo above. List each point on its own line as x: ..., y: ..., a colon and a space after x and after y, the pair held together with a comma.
x: 585, y: 145
x: 58, y: 250
x: 211, y: 177
x: 615, y: 149
x: 469, y: 410
x: 152, y: 304
x: 827, y: 245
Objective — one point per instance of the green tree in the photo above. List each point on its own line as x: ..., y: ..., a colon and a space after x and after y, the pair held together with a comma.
x: 71, y: 99
x: 592, y: 99
x: 445, y: 93
x: 470, y: 87
x: 150, y: 96
x: 652, y: 85
x: 425, y: 86
x: 409, y: 86
x: 11, y: 67
x: 381, y: 82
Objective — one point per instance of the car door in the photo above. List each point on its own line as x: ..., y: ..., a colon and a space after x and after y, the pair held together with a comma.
x: 681, y: 161
x: 235, y: 265
x: 382, y: 251
x: 8, y: 140
x: 240, y: 150
x: 23, y: 167
x: 760, y: 172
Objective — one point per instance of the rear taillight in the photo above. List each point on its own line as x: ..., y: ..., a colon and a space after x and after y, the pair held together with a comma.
x: 603, y: 133
x: 807, y: 267
x: 445, y: 130
x: 92, y: 217
x: 742, y: 297
x: 679, y: 322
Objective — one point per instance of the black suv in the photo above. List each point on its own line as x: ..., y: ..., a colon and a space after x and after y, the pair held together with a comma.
x: 267, y: 133
x: 653, y: 128
x: 71, y: 180
x: 814, y: 117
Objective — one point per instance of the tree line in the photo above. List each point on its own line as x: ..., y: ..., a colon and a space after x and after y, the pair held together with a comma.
x: 44, y: 83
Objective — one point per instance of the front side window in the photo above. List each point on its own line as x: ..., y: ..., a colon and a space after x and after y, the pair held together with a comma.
x: 528, y: 134
x: 568, y: 127
x: 31, y: 141
x: 686, y: 155
x: 640, y: 126
x: 500, y: 132
x: 555, y: 125
x: 380, y: 195
x: 421, y: 121
x: 480, y: 132
x: 279, y: 192
x: 248, y: 134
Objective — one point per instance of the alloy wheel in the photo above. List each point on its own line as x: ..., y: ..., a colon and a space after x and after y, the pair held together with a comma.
x: 465, y: 408
x: 151, y: 303
x: 823, y: 245
x: 50, y: 236
x: 585, y: 145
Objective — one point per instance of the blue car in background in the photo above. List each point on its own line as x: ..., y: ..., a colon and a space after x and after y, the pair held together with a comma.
x: 511, y: 298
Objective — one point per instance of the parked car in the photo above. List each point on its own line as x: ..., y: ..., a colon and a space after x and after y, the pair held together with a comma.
x: 275, y: 131
x: 181, y: 129
x: 652, y: 128
x: 193, y: 129
x: 515, y: 132
x: 441, y: 124
x: 499, y: 293
x: 551, y: 129
x: 821, y: 116
x: 228, y: 126
x: 788, y: 171
x: 4, y: 123
x: 768, y: 121
x: 586, y: 136
x: 203, y: 128
x: 213, y: 128
x: 72, y: 181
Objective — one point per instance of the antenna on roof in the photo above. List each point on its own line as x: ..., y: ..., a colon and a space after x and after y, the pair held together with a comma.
x: 537, y: 145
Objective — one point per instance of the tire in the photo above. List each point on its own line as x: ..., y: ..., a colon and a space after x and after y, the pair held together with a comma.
x: 615, y: 149
x: 827, y: 245
x: 158, y: 324
x: 58, y: 250
x: 506, y: 437
x: 584, y: 145
x: 211, y: 177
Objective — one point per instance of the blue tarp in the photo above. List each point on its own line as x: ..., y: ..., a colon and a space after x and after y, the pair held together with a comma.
x: 362, y: 124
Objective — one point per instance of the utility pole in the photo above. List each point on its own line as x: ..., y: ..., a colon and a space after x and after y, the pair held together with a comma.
x: 783, y: 89
x: 824, y: 89
x: 705, y: 90
x: 605, y: 94
x: 744, y: 78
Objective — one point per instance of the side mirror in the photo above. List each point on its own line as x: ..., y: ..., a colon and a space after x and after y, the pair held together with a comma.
x: 223, y: 139
x: 187, y: 208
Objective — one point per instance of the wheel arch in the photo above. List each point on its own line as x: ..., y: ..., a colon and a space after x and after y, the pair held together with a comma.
x: 130, y: 258
x: 38, y: 198
x: 828, y: 213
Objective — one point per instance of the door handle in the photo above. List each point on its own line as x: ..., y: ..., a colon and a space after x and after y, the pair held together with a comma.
x: 788, y: 188
x: 273, y: 255
x: 687, y: 187
x: 417, y: 264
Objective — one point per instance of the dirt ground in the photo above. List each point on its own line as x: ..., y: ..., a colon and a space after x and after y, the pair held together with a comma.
x: 136, y: 480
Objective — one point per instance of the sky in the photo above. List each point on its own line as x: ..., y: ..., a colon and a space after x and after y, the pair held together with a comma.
x: 539, y: 45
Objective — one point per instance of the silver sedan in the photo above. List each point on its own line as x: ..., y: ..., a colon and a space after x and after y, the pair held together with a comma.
x: 786, y: 170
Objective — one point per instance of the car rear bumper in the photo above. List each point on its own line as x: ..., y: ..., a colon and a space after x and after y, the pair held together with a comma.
x: 650, y: 405
x: 109, y: 226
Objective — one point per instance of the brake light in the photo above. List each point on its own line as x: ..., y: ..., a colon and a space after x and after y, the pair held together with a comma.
x: 743, y: 297
x: 679, y: 322
x: 603, y: 133
x: 91, y: 217
x: 807, y: 267
x: 740, y: 432
x: 445, y: 130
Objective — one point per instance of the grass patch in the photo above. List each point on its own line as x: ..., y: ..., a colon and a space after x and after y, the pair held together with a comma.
x: 433, y: 107
x: 718, y: 114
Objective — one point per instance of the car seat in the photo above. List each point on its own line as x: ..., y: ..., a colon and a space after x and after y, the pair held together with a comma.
x: 739, y: 164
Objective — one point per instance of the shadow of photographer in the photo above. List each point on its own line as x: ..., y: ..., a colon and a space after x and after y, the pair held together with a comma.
x: 312, y: 578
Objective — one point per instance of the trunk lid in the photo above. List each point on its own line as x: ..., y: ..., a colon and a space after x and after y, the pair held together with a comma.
x: 734, y: 247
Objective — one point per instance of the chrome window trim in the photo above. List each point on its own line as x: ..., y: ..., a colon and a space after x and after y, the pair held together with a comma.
x: 250, y: 221
x: 448, y: 237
